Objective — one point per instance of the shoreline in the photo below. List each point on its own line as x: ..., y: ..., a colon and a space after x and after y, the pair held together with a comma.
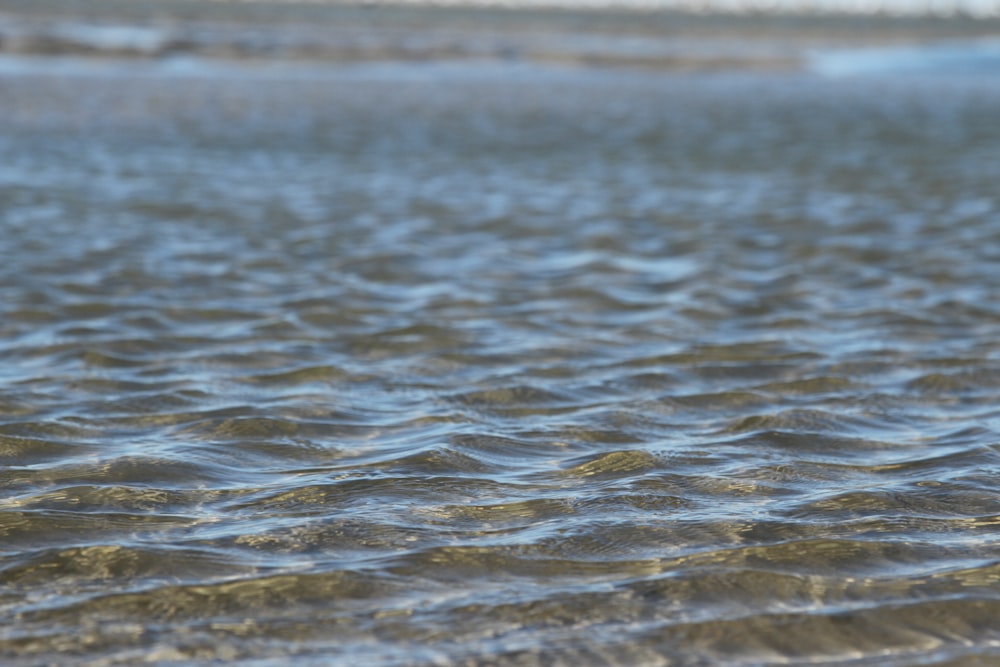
x: 344, y: 33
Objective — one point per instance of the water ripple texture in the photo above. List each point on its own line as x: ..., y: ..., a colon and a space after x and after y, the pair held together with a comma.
x: 499, y: 365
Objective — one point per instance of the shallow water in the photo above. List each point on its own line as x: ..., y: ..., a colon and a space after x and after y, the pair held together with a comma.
x: 942, y: 58
x: 497, y: 364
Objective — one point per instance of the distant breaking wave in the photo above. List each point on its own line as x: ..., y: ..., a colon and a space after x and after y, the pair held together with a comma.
x: 979, y: 8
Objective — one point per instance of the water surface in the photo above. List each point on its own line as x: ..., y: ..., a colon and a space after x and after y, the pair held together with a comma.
x: 486, y: 364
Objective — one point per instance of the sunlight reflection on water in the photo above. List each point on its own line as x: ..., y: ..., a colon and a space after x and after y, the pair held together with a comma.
x: 967, y: 57
x: 496, y: 363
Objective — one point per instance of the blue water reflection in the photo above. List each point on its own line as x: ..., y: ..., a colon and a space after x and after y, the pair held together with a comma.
x: 967, y: 57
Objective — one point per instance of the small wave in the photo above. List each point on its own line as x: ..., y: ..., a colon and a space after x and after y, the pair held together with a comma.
x: 803, y: 421
x: 554, y: 365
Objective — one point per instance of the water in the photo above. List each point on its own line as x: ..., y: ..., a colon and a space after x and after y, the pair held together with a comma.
x: 943, y: 59
x: 899, y: 7
x: 497, y: 364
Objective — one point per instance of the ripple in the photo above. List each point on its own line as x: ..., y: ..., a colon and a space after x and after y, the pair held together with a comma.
x: 933, y: 502
x: 511, y: 364
x: 19, y: 451
x: 963, y: 382
x: 515, y: 401
x: 800, y: 420
x: 89, y: 568
x: 300, y: 376
x: 619, y: 463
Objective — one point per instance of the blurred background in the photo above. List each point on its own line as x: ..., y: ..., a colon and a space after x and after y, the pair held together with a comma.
x: 645, y: 33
